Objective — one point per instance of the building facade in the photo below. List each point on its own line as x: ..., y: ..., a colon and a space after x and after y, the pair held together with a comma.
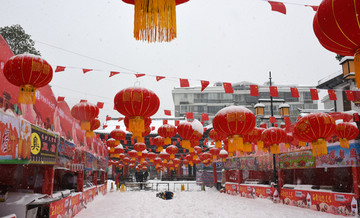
x: 213, y: 98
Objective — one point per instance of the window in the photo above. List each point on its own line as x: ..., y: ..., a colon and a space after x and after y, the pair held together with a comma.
x: 184, y: 108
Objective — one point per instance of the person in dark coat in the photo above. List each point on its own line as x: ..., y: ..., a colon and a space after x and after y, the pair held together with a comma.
x: 146, y: 174
x: 139, y: 176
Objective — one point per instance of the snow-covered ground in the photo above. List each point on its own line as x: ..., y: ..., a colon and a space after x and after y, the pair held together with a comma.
x: 194, y: 203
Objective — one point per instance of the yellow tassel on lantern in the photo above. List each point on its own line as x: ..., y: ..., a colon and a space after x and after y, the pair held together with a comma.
x: 260, y: 145
x: 344, y: 143
x: 191, y: 150
x: 218, y: 144
x: 170, y: 162
x: 137, y: 127
x: 247, y: 147
x: 172, y: 156
x: 155, y: 20
x: 139, y: 153
x: 85, y: 125
x: 164, y: 161
x: 141, y: 159
x: 287, y: 145
x: 274, y: 149
x: 27, y: 94
x: 167, y: 141
x: 195, y: 157
x: 302, y: 144
x: 112, y: 150
x: 214, y: 157
x: 357, y: 67
x: 191, y: 163
x: 186, y: 144
x: 231, y: 154
x: 89, y: 134
x: 117, y: 142
x: 160, y: 149
x: 323, y: 147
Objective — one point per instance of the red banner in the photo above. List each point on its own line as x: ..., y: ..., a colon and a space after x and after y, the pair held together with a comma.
x: 250, y: 191
x: 231, y: 188
x: 61, y: 208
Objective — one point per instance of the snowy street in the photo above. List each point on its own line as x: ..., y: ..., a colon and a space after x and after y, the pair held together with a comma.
x: 210, y: 203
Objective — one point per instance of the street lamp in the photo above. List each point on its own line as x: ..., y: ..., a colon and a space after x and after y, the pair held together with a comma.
x: 259, y: 110
x: 284, y: 110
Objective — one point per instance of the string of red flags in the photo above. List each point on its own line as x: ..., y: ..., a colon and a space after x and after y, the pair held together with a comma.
x: 184, y: 83
x: 60, y: 98
x: 204, y: 84
x: 167, y: 112
x: 113, y: 73
x: 281, y: 8
x: 294, y: 92
x: 274, y: 91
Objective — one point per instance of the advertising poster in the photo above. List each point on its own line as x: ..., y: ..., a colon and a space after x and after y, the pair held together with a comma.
x: 329, y: 202
x: 232, y: 163
x: 340, y: 157
x: 248, y: 163
x: 249, y: 191
x: 231, y: 188
x: 76, y: 204
x: 65, y: 154
x: 299, y: 159
x: 61, y: 208
x: 265, y: 163
x: 43, y: 146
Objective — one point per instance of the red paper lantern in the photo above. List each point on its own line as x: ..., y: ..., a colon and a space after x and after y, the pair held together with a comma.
x: 94, y: 124
x: 118, y: 135
x: 159, y: 142
x: 172, y: 150
x: 217, y: 137
x: 249, y: 138
x: 147, y: 131
x: 151, y: 156
x: 315, y: 128
x: 133, y: 154
x: 139, y: 147
x: 185, y: 131
x: 164, y: 156
x: 126, y: 160
x: 111, y: 144
x: 28, y: 72
x: 176, y: 162
x: 336, y: 25
x: 273, y: 137
x: 167, y: 131
x: 288, y: 140
x: 346, y: 132
x: 85, y: 112
x: 136, y: 103
x: 215, y: 152
x: 234, y: 122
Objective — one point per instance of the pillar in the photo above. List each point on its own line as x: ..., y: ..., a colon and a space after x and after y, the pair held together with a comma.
x: 102, y: 177
x: 215, y: 174
x: 48, y: 182
x: 95, y: 173
x: 356, y: 177
x: 80, y: 181
x: 240, y: 177
x: 280, y: 178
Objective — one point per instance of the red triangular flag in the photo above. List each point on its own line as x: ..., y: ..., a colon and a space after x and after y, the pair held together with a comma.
x: 314, y: 94
x: 177, y: 122
x: 108, y: 118
x: 184, y: 83
x: 59, y: 69
x: 272, y: 119
x: 350, y: 95
x: 274, y: 91
x: 139, y: 75
x: 158, y: 78
x: 294, y: 92
x: 167, y: 112
x: 113, y: 73
x: 228, y: 88
x: 82, y: 100
x: 205, y: 117
x: 100, y: 105
x: 204, y: 84
x: 332, y: 95
x: 278, y: 6
x: 356, y: 117
x: 117, y: 127
x: 60, y: 98
x: 315, y: 8
x: 86, y: 70
x: 189, y: 115
x: 105, y: 126
x: 152, y: 128
x: 254, y: 90
x: 120, y: 119
x: 287, y: 121
x: 165, y: 122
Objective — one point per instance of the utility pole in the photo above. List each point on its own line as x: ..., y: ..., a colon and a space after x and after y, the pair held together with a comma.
x: 272, y: 114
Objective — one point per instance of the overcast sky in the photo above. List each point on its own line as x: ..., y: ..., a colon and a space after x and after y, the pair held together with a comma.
x: 218, y: 40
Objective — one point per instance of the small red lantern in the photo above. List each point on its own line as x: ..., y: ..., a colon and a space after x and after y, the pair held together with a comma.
x: 185, y: 131
x: 215, y: 152
x: 273, y: 137
x: 167, y: 131
x: 223, y: 155
x: 151, y: 156
x: 346, y: 132
x: 139, y: 147
x: 336, y: 25
x: 288, y: 140
x: 234, y: 122
x: 111, y: 144
x: 136, y: 103
x: 85, y: 112
x: 172, y: 150
x: 315, y: 128
x: 164, y: 156
x: 126, y: 160
x: 133, y: 154
x: 249, y: 138
x: 176, y: 161
x: 217, y: 137
x: 118, y: 135
x: 94, y: 124
x: 28, y: 72
x: 159, y: 142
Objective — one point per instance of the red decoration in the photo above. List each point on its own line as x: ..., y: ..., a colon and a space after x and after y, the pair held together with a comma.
x: 234, y: 121
x: 332, y: 95
x: 272, y: 119
x: 223, y: 154
x: 86, y: 70
x: 167, y: 112
x: 346, y: 132
x: 111, y: 143
x: 350, y: 95
x: 158, y: 78
x: 136, y: 103
x: 108, y: 118
x: 314, y: 94
x: 139, y: 75
x: 278, y: 6
x: 294, y: 92
x: 139, y: 147
x: 172, y: 150
x: 118, y: 135
x: 254, y: 90
x: 85, y: 112
x: 184, y: 83
x: 159, y: 142
x: 315, y: 128
x: 113, y: 73
x: 185, y: 131
x: 215, y: 136
x: 59, y: 69
x: 228, y: 88
x: 60, y: 98
x: 28, y: 72
x: 287, y: 121
x: 336, y: 25
x: 204, y: 84
x: 204, y: 117
x: 189, y: 115
x: 274, y: 91
x: 100, y: 105
x: 273, y: 137
x: 94, y: 124
x: 167, y: 131
x: 177, y: 122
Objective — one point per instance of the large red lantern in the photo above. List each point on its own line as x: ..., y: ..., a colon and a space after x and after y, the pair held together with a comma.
x: 85, y: 112
x: 167, y: 131
x: 217, y: 137
x: 346, y: 132
x: 28, y: 72
x: 139, y: 147
x: 315, y: 128
x: 159, y: 142
x: 336, y: 25
x: 136, y: 103
x: 155, y: 21
x: 118, y: 135
x: 172, y: 150
x: 234, y: 122
x: 164, y: 156
x: 273, y: 137
x: 185, y: 131
x: 249, y: 138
